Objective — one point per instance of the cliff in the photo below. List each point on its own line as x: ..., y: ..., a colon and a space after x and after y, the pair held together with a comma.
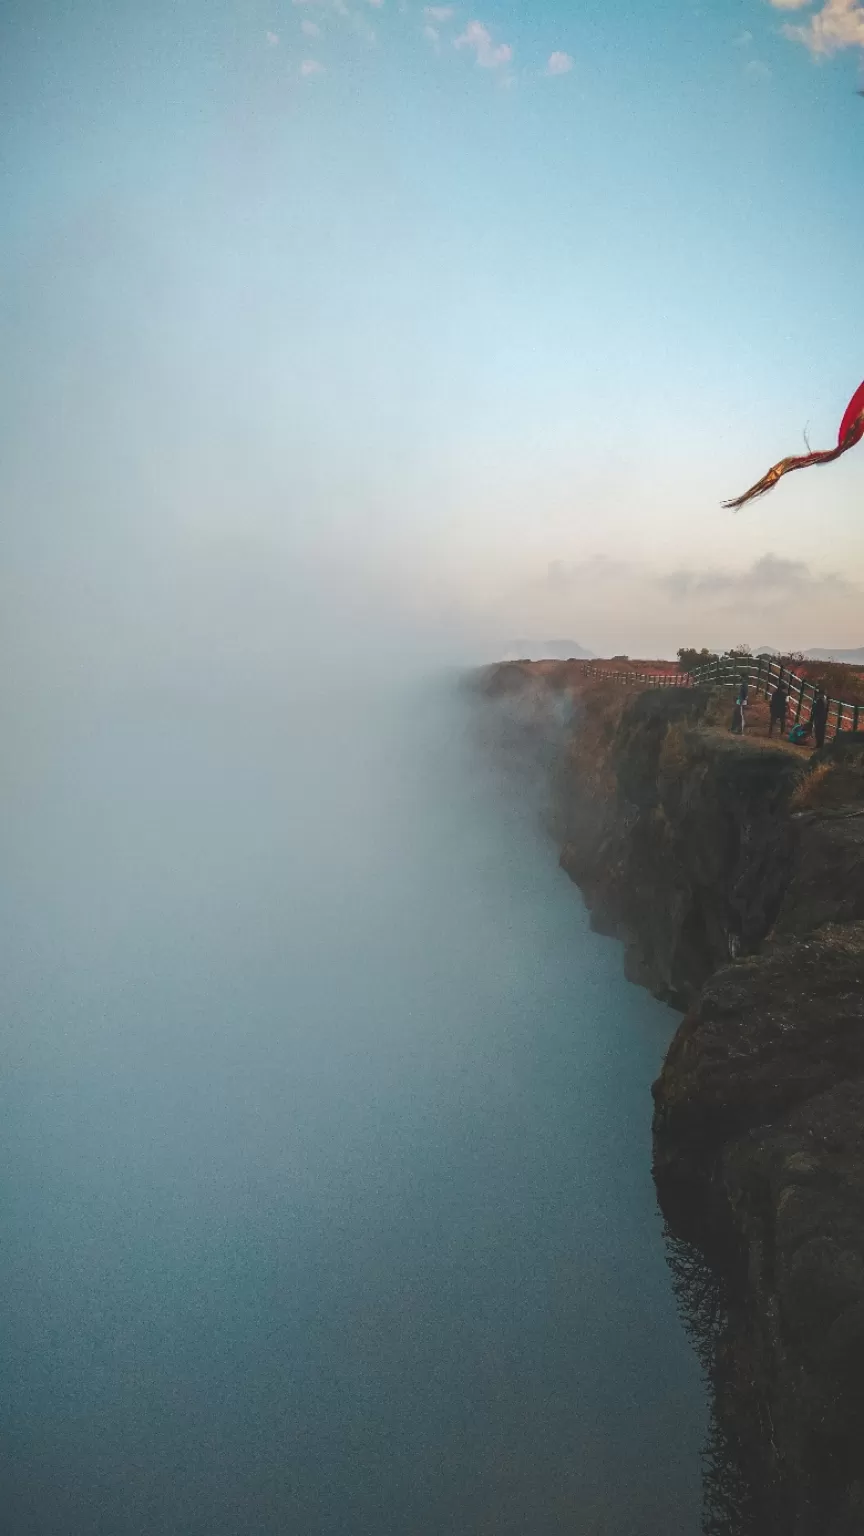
x: 731, y: 869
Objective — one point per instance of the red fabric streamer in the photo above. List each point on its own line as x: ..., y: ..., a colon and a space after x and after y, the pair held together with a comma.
x: 851, y: 432
x: 854, y: 417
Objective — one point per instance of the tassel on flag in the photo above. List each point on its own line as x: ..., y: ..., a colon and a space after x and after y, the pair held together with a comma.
x: 851, y: 432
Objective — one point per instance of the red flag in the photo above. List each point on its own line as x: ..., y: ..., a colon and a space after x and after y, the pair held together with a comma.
x: 851, y: 432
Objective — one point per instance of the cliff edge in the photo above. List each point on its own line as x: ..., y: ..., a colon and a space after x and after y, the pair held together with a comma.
x: 732, y: 871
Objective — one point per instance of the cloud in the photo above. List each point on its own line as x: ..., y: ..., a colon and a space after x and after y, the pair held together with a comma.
x: 789, y: 5
x: 771, y: 580
x: 272, y: 39
x: 839, y: 24
x: 612, y: 603
x: 311, y: 67
x: 431, y: 35
x: 489, y: 55
x: 743, y: 40
x: 559, y: 64
x: 310, y: 28
x: 439, y: 13
x: 757, y: 70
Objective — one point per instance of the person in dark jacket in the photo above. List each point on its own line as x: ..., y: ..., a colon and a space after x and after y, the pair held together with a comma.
x: 779, y: 706
x: 819, y: 717
x: 738, y: 715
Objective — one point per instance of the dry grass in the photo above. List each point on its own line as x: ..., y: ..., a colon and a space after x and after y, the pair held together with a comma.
x: 811, y: 790
x: 830, y: 786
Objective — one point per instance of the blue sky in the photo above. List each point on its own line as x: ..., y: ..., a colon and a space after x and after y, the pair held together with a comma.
x: 475, y: 314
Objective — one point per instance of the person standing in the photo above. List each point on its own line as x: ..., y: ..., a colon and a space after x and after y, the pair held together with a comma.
x: 777, y: 711
x: 738, y: 721
x: 819, y: 717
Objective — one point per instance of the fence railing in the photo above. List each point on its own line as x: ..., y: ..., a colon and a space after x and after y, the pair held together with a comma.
x: 764, y: 675
x: 642, y: 679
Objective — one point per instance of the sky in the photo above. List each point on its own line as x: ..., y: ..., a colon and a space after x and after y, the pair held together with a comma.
x: 348, y: 324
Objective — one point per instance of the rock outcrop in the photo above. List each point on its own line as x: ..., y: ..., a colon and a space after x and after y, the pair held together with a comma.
x: 732, y: 871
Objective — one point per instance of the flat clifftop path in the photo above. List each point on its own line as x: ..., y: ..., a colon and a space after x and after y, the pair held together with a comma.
x: 732, y: 870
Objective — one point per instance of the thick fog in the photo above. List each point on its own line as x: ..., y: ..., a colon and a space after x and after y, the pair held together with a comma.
x: 325, y: 1120
x: 324, y: 1130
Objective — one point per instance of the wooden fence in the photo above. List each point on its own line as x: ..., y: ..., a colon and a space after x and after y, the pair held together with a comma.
x: 763, y: 675
x: 641, y: 679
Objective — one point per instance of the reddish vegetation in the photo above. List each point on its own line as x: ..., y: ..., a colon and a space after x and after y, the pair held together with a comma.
x: 839, y: 680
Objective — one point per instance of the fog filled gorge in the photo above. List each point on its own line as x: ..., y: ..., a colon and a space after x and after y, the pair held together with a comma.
x: 325, y: 1133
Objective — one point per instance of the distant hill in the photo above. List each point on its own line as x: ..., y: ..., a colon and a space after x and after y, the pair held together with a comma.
x: 547, y: 650
x: 853, y: 658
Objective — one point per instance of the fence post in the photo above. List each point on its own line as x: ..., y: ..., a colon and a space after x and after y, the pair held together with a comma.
x: 854, y: 717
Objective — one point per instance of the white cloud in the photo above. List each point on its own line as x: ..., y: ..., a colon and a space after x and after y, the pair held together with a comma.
x: 757, y: 70
x: 310, y: 29
x: 311, y: 67
x: 272, y: 39
x: 489, y: 55
x: 439, y: 13
x: 771, y: 580
x: 624, y: 604
x: 559, y: 64
x: 431, y: 35
x: 839, y: 24
x: 789, y: 5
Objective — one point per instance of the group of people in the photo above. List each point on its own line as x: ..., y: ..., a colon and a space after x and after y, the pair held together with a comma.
x: 778, y: 710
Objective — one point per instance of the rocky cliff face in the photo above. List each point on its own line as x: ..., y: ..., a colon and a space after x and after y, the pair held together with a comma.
x: 692, y: 843
x: 733, y: 873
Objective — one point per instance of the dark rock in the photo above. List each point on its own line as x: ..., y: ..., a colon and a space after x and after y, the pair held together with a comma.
x: 765, y: 1034
x: 730, y: 899
x: 689, y: 860
x: 829, y: 878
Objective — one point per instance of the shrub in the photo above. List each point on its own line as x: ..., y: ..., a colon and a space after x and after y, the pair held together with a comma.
x: 689, y: 658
